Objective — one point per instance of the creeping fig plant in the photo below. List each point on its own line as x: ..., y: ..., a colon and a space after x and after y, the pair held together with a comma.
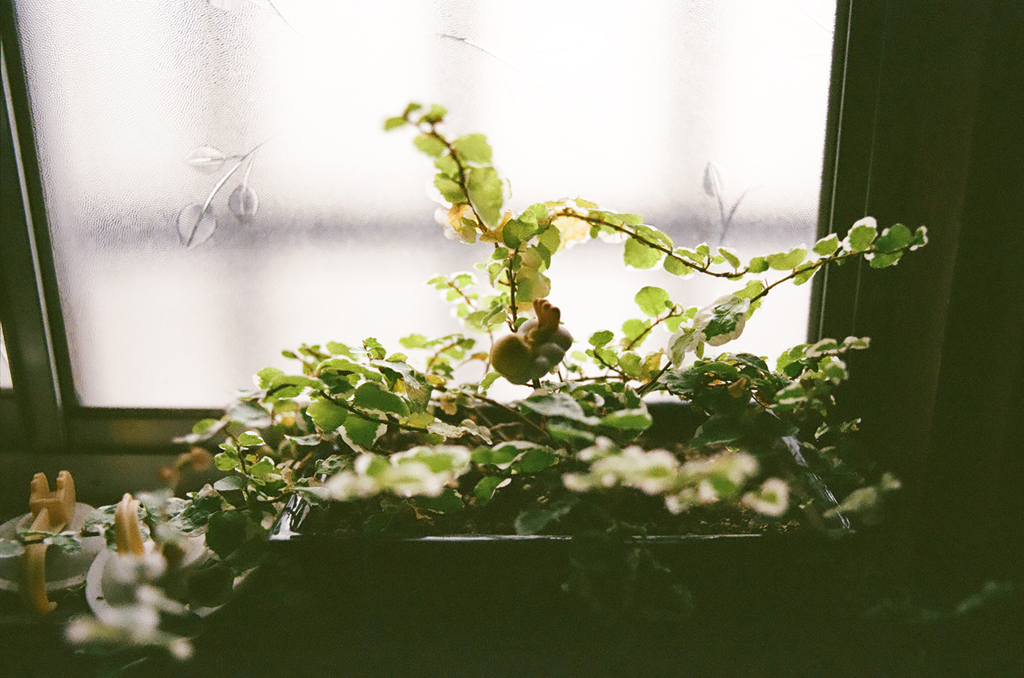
x: 386, y: 441
x: 391, y: 442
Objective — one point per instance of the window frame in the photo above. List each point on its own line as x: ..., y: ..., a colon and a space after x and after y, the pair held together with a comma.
x: 45, y: 408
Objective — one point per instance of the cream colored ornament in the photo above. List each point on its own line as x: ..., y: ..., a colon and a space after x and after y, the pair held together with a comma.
x: 535, y: 348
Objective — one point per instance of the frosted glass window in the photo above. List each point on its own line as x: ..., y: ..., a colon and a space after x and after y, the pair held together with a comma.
x: 631, y: 105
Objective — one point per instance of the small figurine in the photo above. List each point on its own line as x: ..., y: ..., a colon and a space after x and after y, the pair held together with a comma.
x: 535, y: 348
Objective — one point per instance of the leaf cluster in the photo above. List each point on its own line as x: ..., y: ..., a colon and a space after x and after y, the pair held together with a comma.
x: 397, y: 441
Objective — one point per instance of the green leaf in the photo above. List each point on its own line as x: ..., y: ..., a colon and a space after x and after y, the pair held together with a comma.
x: 601, y: 338
x: 676, y: 267
x: 473, y: 148
x: 629, y: 362
x: 652, y: 300
x: 719, y: 429
x: 629, y: 420
x: 362, y: 432
x: 327, y: 416
x: 485, y: 193
x: 485, y: 489
x: 447, y: 166
x: 499, y: 455
x: 266, y: 377
x: 726, y: 318
x: 225, y: 461
x: 555, y: 405
x: 250, y: 439
x: 68, y: 543
x: 570, y: 433
x: 371, y: 396
x: 827, y: 245
x: 758, y: 265
x: 261, y: 469
x: 446, y: 502
x: 884, y: 260
x: 640, y: 255
x: 230, y: 483
x: 394, y: 123
x: 228, y: 531
x: 805, y: 273
x: 516, y: 232
x: 449, y: 189
x: 413, y: 341
x: 893, y: 239
x: 862, y: 234
x: 535, y: 460
x: 430, y: 144
x: 336, y: 348
x: 435, y: 114
x: 787, y: 261
x: 533, y: 520
x: 729, y: 256
x: 633, y: 328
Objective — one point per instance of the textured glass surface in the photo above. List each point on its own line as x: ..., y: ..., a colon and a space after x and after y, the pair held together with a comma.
x: 625, y: 104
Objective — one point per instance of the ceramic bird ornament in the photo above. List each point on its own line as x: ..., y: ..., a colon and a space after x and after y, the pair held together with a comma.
x: 535, y: 348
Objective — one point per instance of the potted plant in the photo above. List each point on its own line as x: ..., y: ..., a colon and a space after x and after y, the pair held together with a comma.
x: 634, y: 439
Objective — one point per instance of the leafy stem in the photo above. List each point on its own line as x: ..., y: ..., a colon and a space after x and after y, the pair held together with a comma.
x: 675, y: 312
x: 430, y: 128
x: 510, y: 268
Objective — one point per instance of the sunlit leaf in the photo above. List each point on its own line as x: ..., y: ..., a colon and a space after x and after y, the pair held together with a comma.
x: 195, y: 225
x: 555, y: 405
x: 361, y: 432
x: 430, y: 144
x: 633, y: 328
x: 787, y: 261
x: 676, y: 267
x: 826, y: 245
x: 895, y: 238
x: 629, y: 420
x: 435, y: 114
x: 599, y: 339
x: 473, y: 148
x: 640, y: 255
x: 653, y: 300
x: 449, y: 189
x: 372, y: 397
x: 326, y: 415
x: 729, y: 256
x: 862, y: 234
x: 884, y: 260
x: 485, y: 193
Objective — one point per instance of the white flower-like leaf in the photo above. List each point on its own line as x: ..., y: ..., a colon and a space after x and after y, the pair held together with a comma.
x: 206, y: 159
x: 195, y: 225
x: 771, y: 499
x: 244, y: 202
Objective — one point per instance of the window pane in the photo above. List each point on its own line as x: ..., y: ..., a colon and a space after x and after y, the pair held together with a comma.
x: 646, y: 108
